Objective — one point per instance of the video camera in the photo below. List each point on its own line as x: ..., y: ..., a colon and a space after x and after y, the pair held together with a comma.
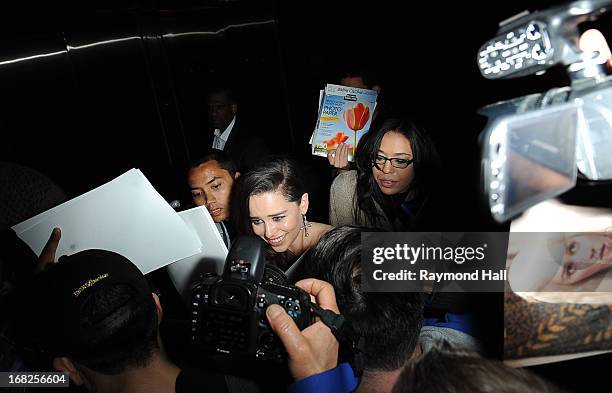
x: 535, y: 147
x: 229, y: 311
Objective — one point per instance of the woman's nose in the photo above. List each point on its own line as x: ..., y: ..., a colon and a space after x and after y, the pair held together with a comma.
x: 270, y: 230
x: 387, y: 168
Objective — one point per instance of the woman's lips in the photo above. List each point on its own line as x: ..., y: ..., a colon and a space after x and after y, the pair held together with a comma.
x: 584, y: 273
x: 387, y: 183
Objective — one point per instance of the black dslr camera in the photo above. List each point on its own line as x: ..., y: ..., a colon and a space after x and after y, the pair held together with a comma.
x: 228, y: 312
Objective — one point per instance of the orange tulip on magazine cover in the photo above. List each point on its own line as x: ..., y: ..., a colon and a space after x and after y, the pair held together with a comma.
x: 356, y: 118
x: 336, y: 140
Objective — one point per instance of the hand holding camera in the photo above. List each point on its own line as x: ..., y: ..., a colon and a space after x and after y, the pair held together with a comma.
x: 315, y: 349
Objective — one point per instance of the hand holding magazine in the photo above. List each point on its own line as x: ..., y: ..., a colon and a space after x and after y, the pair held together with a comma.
x: 345, y: 115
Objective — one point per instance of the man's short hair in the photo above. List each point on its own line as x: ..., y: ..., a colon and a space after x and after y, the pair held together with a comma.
x: 366, y: 72
x: 223, y: 89
x: 225, y: 162
x: 450, y: 370
x: 94, y: 307
x: 24, y: 193
x: 389, y: 322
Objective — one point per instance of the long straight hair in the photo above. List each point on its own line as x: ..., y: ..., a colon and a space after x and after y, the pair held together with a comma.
x: 426, y: 167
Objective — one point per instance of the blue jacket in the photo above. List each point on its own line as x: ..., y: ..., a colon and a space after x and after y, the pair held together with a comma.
x: 340, y: 379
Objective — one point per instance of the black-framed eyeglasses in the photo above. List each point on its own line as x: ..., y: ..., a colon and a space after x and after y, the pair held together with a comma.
x: 400, y: 163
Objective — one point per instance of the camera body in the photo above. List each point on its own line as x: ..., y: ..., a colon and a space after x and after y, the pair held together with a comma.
x: 538, y: 146
x: 229, y: 311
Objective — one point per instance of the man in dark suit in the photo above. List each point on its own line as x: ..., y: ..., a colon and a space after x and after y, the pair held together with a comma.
x: 230, y: 132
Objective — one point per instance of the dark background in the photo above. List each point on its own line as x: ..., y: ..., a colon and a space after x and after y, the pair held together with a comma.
x: 90, y: 92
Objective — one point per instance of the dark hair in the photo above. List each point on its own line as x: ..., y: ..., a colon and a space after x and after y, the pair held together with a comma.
x: 277, y: 173
x: 366, y: 72
x: 450, y: 370
x: 426, y: 167
x: 223, y: 89
x: 225, y: 162
x: 389, y: 322
x: 24, y: 193
x: 131, y: 344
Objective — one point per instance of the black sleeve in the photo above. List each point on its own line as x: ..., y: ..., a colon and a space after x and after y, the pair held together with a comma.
x: 255, y: 150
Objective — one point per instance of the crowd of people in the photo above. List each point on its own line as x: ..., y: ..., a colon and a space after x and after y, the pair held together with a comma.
x: 95, y: 316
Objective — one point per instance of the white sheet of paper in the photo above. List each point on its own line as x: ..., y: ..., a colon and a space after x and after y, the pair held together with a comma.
x: 126, y: 215
x: 210, y: 259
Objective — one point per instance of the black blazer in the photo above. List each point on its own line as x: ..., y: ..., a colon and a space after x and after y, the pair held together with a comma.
x: 243, y: 146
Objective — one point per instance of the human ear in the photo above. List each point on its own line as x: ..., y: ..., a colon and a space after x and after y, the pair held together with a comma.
x: 158, y: 307
x: 236, y: 175
x: 64, y: 364
x: 304, y: 203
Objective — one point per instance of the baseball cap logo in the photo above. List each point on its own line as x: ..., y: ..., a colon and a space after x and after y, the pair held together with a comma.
x: 89, y: 283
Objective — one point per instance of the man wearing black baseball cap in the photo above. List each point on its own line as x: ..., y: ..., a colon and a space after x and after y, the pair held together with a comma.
x: 95, y: 316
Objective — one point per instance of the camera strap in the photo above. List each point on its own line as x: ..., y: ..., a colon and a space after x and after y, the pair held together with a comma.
x: 345, y: 334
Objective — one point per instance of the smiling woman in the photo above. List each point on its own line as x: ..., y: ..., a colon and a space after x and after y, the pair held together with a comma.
x: 391, y: 186
x: 271, y: 202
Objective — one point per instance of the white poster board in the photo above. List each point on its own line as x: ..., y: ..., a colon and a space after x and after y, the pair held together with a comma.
x: 126, y: 215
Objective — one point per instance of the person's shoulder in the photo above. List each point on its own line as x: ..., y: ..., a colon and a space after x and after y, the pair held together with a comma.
x: 345, y: 180
x: 243, y: 125
x: 321, y: 229
x: 430, y: 336
x: 247, y: 132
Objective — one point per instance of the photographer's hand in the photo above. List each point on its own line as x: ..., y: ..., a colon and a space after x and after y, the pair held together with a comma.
x: 47, y: 256
x: 315, y: 349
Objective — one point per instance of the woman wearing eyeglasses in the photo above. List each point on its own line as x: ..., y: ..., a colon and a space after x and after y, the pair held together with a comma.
x: 390, y: 188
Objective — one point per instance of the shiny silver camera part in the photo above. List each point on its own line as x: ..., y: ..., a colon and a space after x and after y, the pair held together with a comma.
x: 529, y: 157
x: 527, y: 152
x: 530, y: 43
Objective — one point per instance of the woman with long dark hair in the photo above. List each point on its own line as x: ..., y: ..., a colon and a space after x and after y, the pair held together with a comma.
x: 396, y: 166
x: 271, y: 202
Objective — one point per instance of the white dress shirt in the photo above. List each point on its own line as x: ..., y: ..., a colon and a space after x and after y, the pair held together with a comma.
x: 223, y: 231
x: 221, y: 137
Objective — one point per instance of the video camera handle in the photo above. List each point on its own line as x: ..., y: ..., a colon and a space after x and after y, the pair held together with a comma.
x: 563, y: 24
x: 530, y: 43
x: 345, y: 334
